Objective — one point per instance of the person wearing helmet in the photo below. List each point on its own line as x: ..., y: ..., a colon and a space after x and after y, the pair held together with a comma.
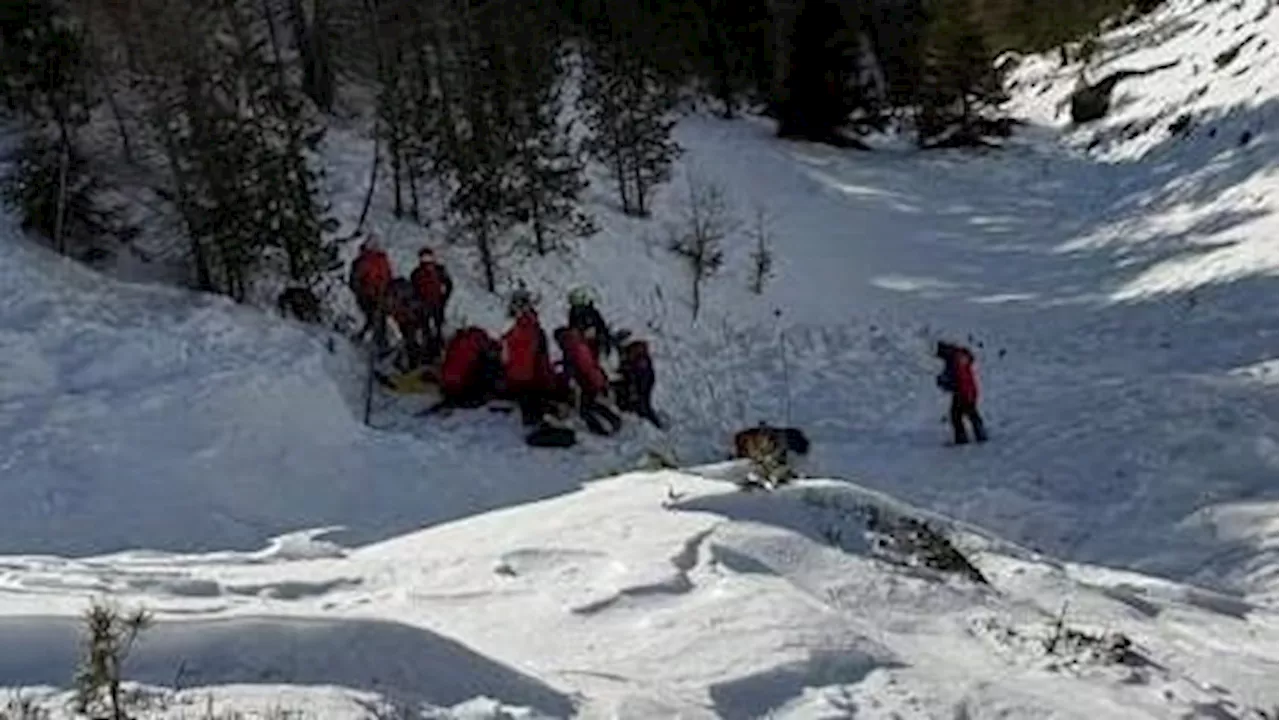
x: 586, y: 319
x: 526, y: 361
x: 370, y: 281
x: 593, y: 385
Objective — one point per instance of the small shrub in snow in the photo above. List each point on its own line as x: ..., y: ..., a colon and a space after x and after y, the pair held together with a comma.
x: 891, y: 536
x: 1081, y: 646
x: 706, y: 220
x: 628, y: 105
x: 110, y: 636
x: 23, y: 708
x: 762, y: 256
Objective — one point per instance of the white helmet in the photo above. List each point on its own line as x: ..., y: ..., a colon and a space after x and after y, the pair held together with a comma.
x: 580, y: 297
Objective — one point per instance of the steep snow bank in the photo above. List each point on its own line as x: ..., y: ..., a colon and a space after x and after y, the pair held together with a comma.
x: 674, y: 595
x: 143, y: 417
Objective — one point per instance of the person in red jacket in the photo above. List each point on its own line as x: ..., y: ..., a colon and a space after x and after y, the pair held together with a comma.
x: 434, y: 286
x: 370, y: 281
x: 470, y: 370
x: 581, y: 365
x: 961, y: 380
x: 526, y: 363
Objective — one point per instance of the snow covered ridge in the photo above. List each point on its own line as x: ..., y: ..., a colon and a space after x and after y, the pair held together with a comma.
x: 665, y: 594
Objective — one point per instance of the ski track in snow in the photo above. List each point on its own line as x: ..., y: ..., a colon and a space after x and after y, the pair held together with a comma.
x: 1117, y: 280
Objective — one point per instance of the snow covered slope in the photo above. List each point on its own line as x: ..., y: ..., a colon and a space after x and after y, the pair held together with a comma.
x: 1192, y: 142
x: 665, y: 595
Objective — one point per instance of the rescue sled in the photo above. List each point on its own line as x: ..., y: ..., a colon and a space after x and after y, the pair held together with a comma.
x: 413, y: 382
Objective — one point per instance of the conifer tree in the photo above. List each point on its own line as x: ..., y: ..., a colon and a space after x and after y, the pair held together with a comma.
x: 45, y: 76
x: 822, y: 78
x: 629, y: 104
x: 549, y: 172
x: 959, y: 84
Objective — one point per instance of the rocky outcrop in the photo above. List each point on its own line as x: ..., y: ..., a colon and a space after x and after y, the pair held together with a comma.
x: 1091, y: 102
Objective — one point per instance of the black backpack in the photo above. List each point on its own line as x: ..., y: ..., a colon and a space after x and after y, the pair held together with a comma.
x: 550, y: 436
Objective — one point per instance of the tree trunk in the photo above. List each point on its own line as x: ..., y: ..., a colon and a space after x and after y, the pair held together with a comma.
x: 60, y: 213
x: 398, y: 211
x: 312, y: 45
x: 620, y: 169
x: 411, y: 169
x: 486, y: 257
x: 125, y: 142
x: 697, y: 290
x: 373, y: 181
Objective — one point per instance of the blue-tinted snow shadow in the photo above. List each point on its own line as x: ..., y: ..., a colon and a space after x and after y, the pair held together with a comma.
x: 755, y: 695
x: 1012, y: 247
x: 398, y: 661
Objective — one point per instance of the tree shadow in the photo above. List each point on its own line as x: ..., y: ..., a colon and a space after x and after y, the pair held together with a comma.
x: 755, y: 695
x: 1077, y: 232
x: 399, y: 661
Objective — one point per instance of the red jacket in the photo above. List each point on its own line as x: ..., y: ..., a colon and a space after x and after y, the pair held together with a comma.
x: 460, y: 359
x: 966, y: 377
x: 525, y: 360
x: 432, y: 284
x: 582, y: 362
x: 371, y: 274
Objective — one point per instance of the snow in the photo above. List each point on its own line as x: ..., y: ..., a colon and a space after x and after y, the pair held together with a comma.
x: 1118, y: 282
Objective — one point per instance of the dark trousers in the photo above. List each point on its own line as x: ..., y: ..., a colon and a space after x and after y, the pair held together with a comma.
x: 534, y: 406
x: 635, y: 395
x: 375, y: 318
x: 414, y: 346
x: 961, y: 410
x: 598, y: 417
x: 433, y: 332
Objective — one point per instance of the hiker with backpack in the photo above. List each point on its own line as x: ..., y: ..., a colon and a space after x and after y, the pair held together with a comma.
x: 593, y: 385
x: 434, y: 286
x: 370, y: 281
x: 959, y: 378
x: 526, y: 363
x: 586, y: 319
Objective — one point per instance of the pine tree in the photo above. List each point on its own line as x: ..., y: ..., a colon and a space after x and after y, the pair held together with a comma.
x: 821, y: 86
x: 239, y: 142
x: 45, y: 75
x: 959, y: 84
x: 295, y: 216
x: 479, y: 159
x: 629, y: 106
x: 731, y: 50
x: 549, y: 169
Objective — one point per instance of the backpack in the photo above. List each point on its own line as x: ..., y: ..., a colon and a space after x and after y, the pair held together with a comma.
x: 550, y: 436
x: 464, y: 358
x: 404, y: 304
x: 947, y: 380
x: 636, y: 366
x: 524, y: 353
x: 429, y: 284
x: 371, y: 274
x: 582, y: 361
